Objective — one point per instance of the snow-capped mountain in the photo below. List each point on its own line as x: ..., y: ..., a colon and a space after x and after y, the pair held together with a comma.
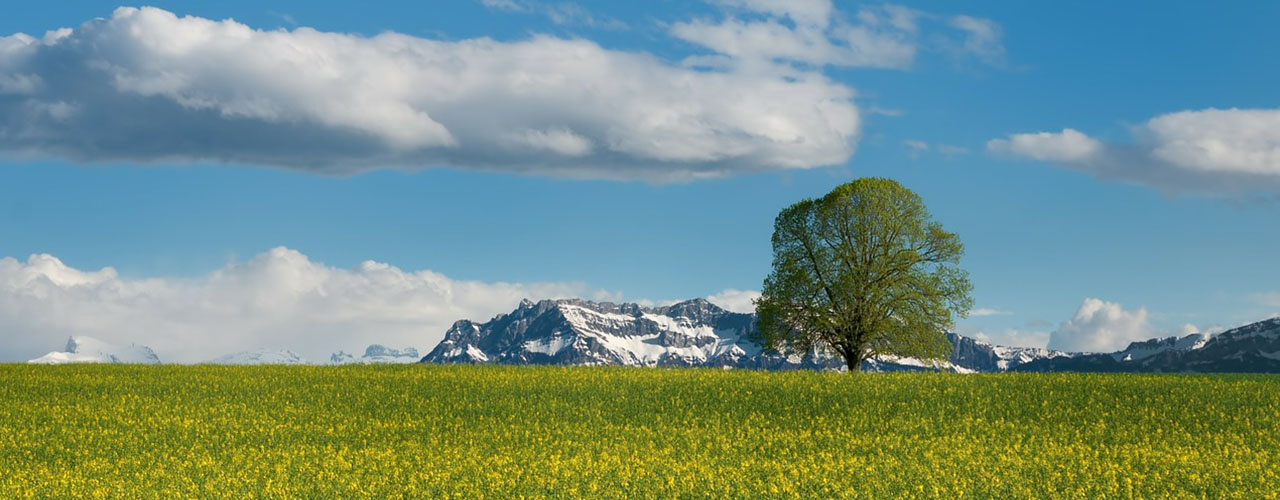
x: 91, y: 350
x: 377, y: 353
x: 1250, y: 348
x: 261, y: 357
x: 577, y: 332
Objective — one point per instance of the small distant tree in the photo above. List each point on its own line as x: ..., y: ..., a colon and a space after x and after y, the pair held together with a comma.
x: 863, y: 271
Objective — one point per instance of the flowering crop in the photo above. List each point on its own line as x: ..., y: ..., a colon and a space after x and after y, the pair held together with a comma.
x: 111, y: 431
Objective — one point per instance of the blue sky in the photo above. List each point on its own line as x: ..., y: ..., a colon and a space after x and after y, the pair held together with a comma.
x: 1107, y: 203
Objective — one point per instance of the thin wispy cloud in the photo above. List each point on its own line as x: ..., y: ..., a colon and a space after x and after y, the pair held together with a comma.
x: 816, y: 32
x: 951, y: 151
x: 561, y: 13
x: 981, y: 39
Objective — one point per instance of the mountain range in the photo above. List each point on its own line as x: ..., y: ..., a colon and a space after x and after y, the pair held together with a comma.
x: 697, y: 333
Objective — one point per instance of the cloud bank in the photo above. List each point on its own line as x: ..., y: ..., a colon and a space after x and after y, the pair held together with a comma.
x: 277, y: 299
x: 1212, y: 151
x: 147, y: 86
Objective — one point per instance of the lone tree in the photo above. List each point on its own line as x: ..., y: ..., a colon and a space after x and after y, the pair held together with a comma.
x: 863, y: 271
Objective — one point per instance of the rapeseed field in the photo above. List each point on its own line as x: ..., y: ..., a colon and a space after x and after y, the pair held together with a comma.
x: 104, y: 431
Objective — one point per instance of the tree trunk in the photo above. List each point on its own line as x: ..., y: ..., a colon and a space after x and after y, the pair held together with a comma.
x: 853, y: 360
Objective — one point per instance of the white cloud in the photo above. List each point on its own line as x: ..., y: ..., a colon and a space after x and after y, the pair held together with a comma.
x: 769, y: 40
x: 816, y: 33
x: 1234, y: 140
x: 981, y: 39
x: 915, y: 148
x: 562, y: 13
x: 806, y: 12
x: 147, y: 86
x: 1067, y: 146
x: 986, y: 311
x: 1217, y: 151
x: 950, y: 151
x: 876, y: 110
x: 560, y: 141
x: 278, y: 299
x: 1100, y: 326
x: 507, y: 5
x: 742, y: 301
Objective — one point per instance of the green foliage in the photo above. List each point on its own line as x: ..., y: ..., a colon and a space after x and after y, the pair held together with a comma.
x: 863, y: 271
x: 210, y: 432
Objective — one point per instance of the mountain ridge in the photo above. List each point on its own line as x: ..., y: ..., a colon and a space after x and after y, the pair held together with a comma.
x: 698, y: 333
x: 578, y: 332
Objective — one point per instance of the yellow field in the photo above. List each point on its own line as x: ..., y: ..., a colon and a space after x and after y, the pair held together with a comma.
x: 510, y: 432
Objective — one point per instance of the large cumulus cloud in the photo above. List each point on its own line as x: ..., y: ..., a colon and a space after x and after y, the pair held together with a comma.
x: 145, y: 86
x: 1101, y: 326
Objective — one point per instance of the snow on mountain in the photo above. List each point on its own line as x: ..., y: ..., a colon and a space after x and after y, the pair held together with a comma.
x: 1138, y: 351
x: 91, y: 350
x: 261, y: 357
x: 577, y: 332
x: 377, y: 353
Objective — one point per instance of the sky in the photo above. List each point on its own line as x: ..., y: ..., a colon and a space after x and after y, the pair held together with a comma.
x: 205, y: 178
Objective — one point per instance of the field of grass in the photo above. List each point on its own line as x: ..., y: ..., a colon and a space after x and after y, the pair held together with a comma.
x: 509, y: 432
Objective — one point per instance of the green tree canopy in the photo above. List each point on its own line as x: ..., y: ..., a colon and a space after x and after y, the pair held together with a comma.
x: 860, y: 272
